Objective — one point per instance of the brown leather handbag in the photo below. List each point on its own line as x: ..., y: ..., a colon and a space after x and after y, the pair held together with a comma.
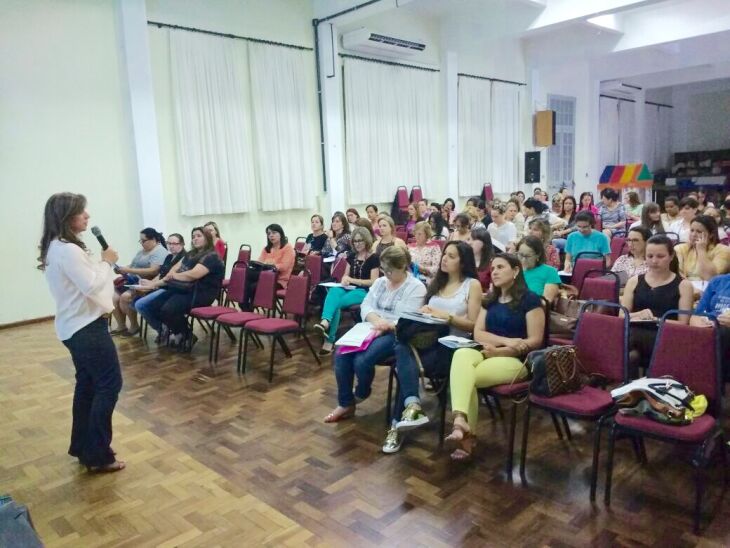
x: 555, y: 371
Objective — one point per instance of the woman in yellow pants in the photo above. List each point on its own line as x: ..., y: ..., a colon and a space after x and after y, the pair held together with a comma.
x: 510, y: 324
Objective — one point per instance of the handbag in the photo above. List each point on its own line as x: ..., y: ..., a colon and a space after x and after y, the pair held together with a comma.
x: 663, y: 399
x: 555, y: 371
x: 420, y: 335
x: 177, y: 286
x: 564, y: 316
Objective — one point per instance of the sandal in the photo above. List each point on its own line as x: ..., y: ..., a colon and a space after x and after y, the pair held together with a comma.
x: 346, y: 413
x: 465, y: 442
x: 118, y: 331
x: 131, y: 332
x: 321, y: 328
x: 115, y: 466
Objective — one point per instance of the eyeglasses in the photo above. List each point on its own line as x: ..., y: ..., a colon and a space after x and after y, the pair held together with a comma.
x: 526, y: 256
x: 143, y: 241
x: 583, y: 227
x: 634, y: 240
x: 357, y: 241
x: 172, y: 243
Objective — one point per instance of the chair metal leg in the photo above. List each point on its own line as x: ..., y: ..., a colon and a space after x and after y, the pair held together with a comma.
x: 567, y: 428
x: 498, y: 405
x: 556, y: 424
x: 311, y: 348
x: 271, y: 360
x: 488, y: 405
x: 217, y: 343
x: 211, y: 342
x: 242, y: 356
x: 283, y: 345
x: 511, y: 441
x: 443, y: 397
x: 699, y: 492
x: 230, y: 333
x: 525, y: 432
x: 596, y: 452
x: 609, y: 465
x: 388, y: 409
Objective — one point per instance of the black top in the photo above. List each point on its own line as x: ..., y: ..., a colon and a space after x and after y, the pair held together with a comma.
x: 170, y: 261
x: 209, y: 285
x: 316, y: 243
x: 382, y: 246
x: 360, y: 270
x: 508, y: 320
x: 657, y: 299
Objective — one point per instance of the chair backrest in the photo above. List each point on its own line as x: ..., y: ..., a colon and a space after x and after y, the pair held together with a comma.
x: 416, y: 194
x: 583, y: 264
x: 593, y: 332
x: 313, y: 263
x: 441, y: 242
x: 692, y: 356
x: 599, y: 223
x: 299, y: 244
x: 618, y: 247
x: 338, y: 270
x: 244, y: 253
x: 265, y: 296
x: 600, y: 286
x: 401, y: 232
x: 402, y: 196
x: 297, y: 295
x: 546, y: 332
x: 488, y: 192
x: 237, y: 285
x: 225, y: 256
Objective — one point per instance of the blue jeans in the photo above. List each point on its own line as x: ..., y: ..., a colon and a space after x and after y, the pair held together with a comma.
x: 361, y: 365
x: 98, y: 382
x: 143, y: 306
x: 559, y: 244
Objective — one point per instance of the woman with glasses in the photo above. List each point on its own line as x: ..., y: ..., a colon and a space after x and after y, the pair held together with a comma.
x: 634, y: 262
x: 586, y: 240
x: 152, y: 289
x: 146, y: 264
x: 510, y: 324
x: 389, y: 297
x: 425, y: 255
x: 363, y: 268
x: 540, y: 277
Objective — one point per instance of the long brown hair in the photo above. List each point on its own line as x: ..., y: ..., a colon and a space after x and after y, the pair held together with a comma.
x: 516, y: 291
x: 60, y: 209
x: 195, y: 254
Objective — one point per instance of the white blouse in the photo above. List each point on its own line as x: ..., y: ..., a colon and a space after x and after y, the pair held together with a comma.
x: 82, y: 288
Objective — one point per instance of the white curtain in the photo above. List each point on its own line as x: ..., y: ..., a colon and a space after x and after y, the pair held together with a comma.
x: 285, y: 126
x: 475, y: 135
x: 505, y: 136
x: 609, y: 131
x: 391, y: 129
x: 212, y: 123
x: 627, y: 143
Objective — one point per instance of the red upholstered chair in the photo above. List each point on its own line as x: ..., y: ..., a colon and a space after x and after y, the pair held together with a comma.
x: 401, y: 232
x: 264, y: 298
x: 244, y: 256
x: 589, y: 403
x: 600, y: 286
x: 312, y: 264
x: 584, y: 262
x: 338, y: 270
x: 698, y: 365
x: 599, y: 223
x: 487, y: 192
x: 295, y: 303
x: 208, y: 314
x: 401, y: 195
x: 416, y: 194
x: 618, y: 247
x: 299, y: 244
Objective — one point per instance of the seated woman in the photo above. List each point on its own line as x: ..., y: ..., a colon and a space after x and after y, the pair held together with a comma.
x: 612, y: 213
x: 372, y: 212
x: 461, y: 228
x: 352, y: 215
x: 146, y: 264
x: 366, y: 224
x: 634, y: 262
x: 198, y: 275
x: 396, y: 292
x: 387, y: 235
x: 425, y: 255
x: 475, y: 218
x: 438, y: 226
x: 500, y: 229
x: 540, y: 228
x: 633, y: 206
x: 651, y: 218
x: 702, y: 258
x: 687, y: 211
x: 568, y: 211
x: 317, y: 238
x: 449, y: 211
x: 413, y: 218
x: 586, y: 204
x: 220, y: 246
x: 535, y: 209
x: 338, y: 236
x: 540, y: 277
x: 484, y: 250
x: 514, y: 215
x: 648, y: 296
x: 510, y: 324
x: 713, y: 212
x: 152, y: 288
x: 455, y: 296
x: 363, y: 268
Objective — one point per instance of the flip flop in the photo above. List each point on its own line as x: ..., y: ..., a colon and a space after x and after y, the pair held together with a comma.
x: 118, y: 331
x: 334, y: 417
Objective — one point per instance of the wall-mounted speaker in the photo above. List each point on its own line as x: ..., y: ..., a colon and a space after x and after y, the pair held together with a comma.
x: 545, y: 128
x: 532, y: 167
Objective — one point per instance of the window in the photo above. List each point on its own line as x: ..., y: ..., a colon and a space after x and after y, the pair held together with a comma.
x: 561, y: 156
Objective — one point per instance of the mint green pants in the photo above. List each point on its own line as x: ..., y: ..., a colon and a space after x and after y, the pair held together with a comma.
x: 337, y: 299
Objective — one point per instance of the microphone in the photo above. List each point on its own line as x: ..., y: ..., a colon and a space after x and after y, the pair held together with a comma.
x: 96, y: 231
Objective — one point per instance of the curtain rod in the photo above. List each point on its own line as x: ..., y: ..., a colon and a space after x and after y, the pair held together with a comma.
x: 392, y: 63
x: 224, y: 35
x: 634, y: 100
x: 490, y: 79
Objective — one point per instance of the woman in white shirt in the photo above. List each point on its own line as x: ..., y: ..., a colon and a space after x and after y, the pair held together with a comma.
x: 396, y: 292
x: 82, y: 289
x: 500, y: 229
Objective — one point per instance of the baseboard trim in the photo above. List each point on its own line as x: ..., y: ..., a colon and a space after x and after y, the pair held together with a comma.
x: 25, y: 322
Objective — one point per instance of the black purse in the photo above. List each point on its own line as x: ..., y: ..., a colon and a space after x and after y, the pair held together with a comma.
x: 434, y: 358
x: 177, y: 286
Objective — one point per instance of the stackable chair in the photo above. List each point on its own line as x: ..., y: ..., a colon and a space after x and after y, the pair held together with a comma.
x: 401, y: 232
x: 588, y: 404
x: 313, y: 265
x: 401, y: 194
x: 208, y: 314
x: 295, y: 303
x: 698, y: 365
x: 244, y: 256
x: 338, y: 269
x: 585, y: 261
x: 599, y: 285
x: 299, y: 244
x: 487, y: 192
x: 618, y: 247
x: 416, y: 194
x: 264, y: 298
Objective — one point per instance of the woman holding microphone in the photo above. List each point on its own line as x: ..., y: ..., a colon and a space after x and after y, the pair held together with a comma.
x: 83, y: 289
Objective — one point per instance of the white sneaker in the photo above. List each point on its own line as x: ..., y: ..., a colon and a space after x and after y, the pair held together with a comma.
x: 412, y: 417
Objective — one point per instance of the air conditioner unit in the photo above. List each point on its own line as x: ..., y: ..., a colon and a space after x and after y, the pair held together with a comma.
x: 617, y: 87
x: 364, y: 41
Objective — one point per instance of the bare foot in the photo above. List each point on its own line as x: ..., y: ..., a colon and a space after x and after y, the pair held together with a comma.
x: 340, y: 413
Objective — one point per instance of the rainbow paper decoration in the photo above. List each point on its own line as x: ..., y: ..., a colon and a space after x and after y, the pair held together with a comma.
x: 625, y: 176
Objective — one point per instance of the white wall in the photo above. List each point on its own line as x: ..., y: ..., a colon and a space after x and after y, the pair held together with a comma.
x: 64, y: 128
x: 700, y: 116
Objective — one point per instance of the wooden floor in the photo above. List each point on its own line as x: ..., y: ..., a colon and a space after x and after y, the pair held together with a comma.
x: 229, y: 461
